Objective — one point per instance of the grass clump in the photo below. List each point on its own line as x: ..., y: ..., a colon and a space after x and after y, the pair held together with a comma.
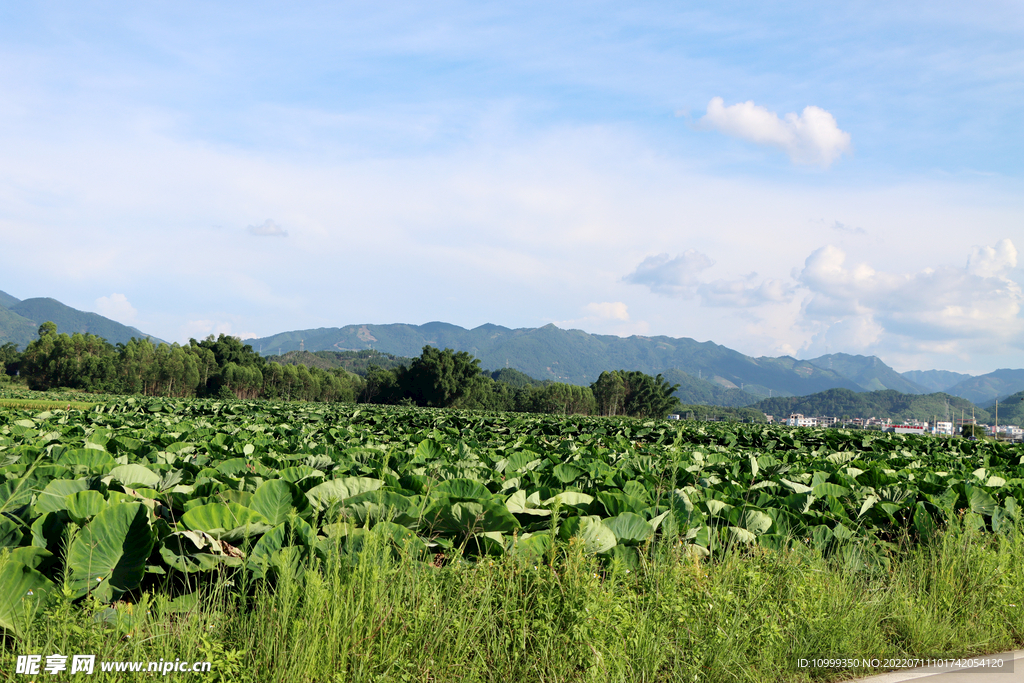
x: 567, y: 616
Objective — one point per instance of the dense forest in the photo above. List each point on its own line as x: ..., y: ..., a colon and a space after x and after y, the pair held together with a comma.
x: 356, y: 362
x: 226, y: 368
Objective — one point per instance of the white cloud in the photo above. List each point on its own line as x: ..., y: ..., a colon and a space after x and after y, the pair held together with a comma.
x: 812, y: 137
x: 745, y: 293
x: 994, y: 261
x: 606, y: 317
x: 268, y: 229
x: 608, y: 310
x: 116, y: 307
x: 978, y: 306
x: 200, y: 329
x: 671, y: 276
x: 678, y: 277
x: 848, y: 229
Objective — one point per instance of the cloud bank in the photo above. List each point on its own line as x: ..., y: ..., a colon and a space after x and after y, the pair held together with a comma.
x: 676, y: 277
x: 116, y: 307
x: 812, y: 137
x: 268, y: 229
x: 978, y: 305
x: 679, y: 278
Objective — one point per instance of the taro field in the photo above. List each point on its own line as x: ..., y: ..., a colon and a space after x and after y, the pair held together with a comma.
x: 137, y: 495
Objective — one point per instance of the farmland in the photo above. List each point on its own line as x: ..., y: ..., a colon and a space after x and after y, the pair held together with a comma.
x: 502, y: 531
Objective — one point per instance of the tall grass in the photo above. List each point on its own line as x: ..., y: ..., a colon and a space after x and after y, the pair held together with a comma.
x: 744, y: 616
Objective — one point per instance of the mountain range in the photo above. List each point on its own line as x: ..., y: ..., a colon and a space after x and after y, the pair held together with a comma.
x: 707, y: 373
x: 20, y: 321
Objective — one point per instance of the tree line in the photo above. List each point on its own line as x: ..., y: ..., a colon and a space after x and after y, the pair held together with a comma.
x: 212, y: 368
x: 453, y: 379
x: 226, y: 368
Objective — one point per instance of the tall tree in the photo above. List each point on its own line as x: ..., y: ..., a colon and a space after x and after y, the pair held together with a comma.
x: 440, y: 379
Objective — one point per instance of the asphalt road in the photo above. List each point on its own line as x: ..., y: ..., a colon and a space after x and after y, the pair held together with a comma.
x: 990, y: 674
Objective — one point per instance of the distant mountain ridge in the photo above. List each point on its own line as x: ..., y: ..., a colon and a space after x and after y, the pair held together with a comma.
x: 869, y: 372
x: 707, y: 372
x: 577, y: 357
x: 20, y: 321
x: 6, y: 300
x: 985, y: 389
x: 936, y: 380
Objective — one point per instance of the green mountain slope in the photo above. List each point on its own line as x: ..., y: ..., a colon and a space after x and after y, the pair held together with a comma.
x: 71, y: 321
x: 880, y: 404
x: 6, y: 300
x: 694, y: 391
x: 1011, y: 409
x: 574, y: 356
x: 984, y: 389
x: 869, y: 372
x: 936, y: 380
x: 15, y: 328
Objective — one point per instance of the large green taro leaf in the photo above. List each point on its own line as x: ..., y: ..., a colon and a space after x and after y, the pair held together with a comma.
x: 23, y: 591
x: 617, y: 502
x: 461, y: 489
x: 375, y: 506
x: 980, y: 501
x: 96, y: 462
x: 266, y: 556
x: 429, y: 450
x: 54, y: 496
x: 14, y: 494
x: 84, y: 505
x: 108, y: 557
x: 322, y: 495
x: 134, y: 475
x: 30, y: 556
x: 532, y: 547
x: 828, y: 489
x: 11, y: 533
x: 757, y: 522
x: 520, y: 503
x: 596, y: 537
x: 469, y: 517
x: 302, y: 475
x: 570, y: 499
x: 629, y: 528
x: 566, y: 473
x: 276, y: 499
x: 197, y: 551
x: 48, y: 530
x: 229, y: 522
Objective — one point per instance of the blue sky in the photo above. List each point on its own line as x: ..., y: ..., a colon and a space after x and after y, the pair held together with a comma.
x: 776, y: 177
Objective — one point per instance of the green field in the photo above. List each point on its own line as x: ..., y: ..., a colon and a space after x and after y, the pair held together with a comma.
x: 307, y: 542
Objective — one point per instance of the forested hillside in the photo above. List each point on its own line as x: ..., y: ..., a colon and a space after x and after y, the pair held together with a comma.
x: 881, y: 404
x: 984, y: 389
x: 936, y: 380
x: 20, y: 321
x: 869, y: 372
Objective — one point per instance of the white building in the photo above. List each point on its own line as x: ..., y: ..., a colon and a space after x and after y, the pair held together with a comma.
x: 906, y: 429
x: 798, y: 420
